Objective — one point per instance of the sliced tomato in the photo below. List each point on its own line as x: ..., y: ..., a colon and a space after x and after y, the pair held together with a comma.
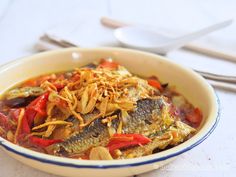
x: 14, y: 114
x: 195, y: 116
x: 30, y: 83
x: 59, y: 86
x: 108, y: 64
x: 4, y: 120
x: 75, y: 77
x: 155, y: 83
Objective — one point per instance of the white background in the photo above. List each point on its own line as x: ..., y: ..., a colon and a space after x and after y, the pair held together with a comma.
x: 23, y: 21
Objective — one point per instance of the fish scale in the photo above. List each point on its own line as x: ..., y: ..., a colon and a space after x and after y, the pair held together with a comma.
x: 97, y: 133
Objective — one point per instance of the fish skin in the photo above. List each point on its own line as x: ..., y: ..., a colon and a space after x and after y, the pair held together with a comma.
x: 96, y: 134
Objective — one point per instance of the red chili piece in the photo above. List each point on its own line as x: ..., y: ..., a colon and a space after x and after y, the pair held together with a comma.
x: 38, y: 106
x: 119, y: 141
x: 43, y: 142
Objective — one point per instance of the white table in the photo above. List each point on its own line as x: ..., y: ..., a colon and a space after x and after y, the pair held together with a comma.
x: 22, y: 22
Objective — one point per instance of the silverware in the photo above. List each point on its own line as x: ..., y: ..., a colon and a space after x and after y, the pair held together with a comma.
x: 217, y: 77
x: 222, y: 85
x: 225, y: 82
x: 112, y: 23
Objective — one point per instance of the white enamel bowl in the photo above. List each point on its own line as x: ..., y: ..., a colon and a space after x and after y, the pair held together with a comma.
x: 187, y: 82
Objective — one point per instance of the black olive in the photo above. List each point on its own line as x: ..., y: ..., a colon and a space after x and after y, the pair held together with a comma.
x: 18, y: 102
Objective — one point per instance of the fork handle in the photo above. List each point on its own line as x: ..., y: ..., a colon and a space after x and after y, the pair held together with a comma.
x: 218, y: 77
x: 210, y: 52
x: 222, y: 85
x: 112, y: 23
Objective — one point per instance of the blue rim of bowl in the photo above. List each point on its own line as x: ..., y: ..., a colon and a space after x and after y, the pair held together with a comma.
x: 121, y: 165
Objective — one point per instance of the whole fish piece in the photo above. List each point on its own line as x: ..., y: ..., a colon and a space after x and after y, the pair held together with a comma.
x: 142, y: 120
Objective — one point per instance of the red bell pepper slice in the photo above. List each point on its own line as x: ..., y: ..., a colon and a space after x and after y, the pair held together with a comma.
x: 119, y: 141
x: 5, y: 120
x: 25, y: 125
x: 38, y: 106
x: 155, y: 83
x: 43, y: 142
x: 195, y: 117
x: 108, y: 64
x: 30, y: 115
